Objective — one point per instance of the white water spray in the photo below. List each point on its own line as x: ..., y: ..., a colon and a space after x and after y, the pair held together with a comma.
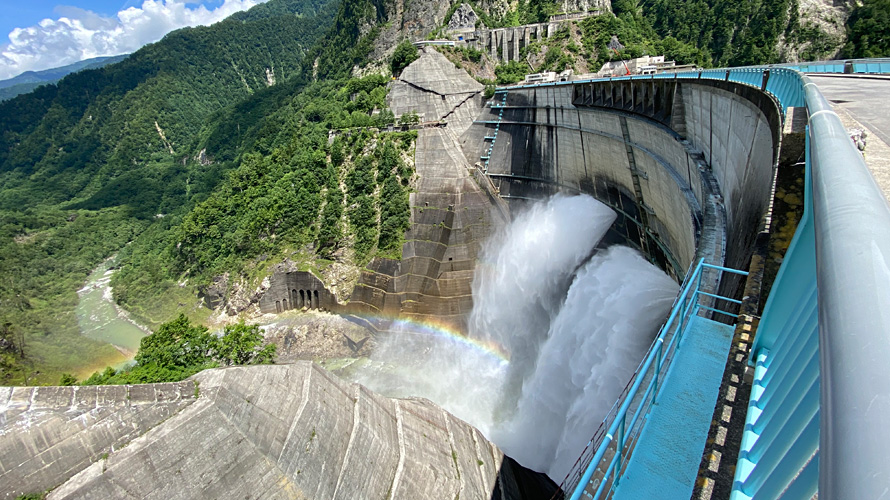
x: 574, y: 336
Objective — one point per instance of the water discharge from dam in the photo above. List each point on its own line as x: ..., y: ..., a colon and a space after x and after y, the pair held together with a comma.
x: 554, y: 336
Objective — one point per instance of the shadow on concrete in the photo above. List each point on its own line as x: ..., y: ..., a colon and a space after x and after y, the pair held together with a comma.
x: 528, y: 484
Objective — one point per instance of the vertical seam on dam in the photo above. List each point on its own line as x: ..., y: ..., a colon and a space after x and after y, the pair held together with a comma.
x: 400, y: 433
x: 638, y: 190
x: 355, y: 424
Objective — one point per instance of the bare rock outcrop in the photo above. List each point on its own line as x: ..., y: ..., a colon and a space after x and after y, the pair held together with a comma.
x: 463, y: 18
x: 827, y: 20
x: 317, y: 335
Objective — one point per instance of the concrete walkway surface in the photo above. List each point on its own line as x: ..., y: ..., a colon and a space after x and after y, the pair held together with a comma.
x: 665, y: 461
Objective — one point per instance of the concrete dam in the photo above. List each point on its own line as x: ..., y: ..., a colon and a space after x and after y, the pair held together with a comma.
x: 688, y: 165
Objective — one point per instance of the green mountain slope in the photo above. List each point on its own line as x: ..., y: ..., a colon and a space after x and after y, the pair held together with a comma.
x: 87, y: 164
x: 98, y: 125
x: 30, y: 80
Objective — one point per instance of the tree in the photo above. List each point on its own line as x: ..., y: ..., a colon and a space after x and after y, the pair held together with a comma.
x: 178, y: 350
x: 868, y: 30
x: 243, y: 345
x: 409, y: 118
x: 67, y: 379
x: 405, y: 54
x: 510, y: 72
x: 177, y: 343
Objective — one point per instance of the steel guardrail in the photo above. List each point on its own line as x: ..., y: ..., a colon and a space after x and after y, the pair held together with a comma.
x: 853, y: 278
x: 637, y: 401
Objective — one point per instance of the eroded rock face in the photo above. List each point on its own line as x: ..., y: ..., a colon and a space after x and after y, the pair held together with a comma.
x: 569, y: 6
x: 317, y: 335
x: 463, y: 18
x: 829, y: 18
x: 411, y: 19
x: 278, y: 431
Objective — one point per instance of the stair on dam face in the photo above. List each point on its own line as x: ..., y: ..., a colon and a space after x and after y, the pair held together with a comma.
x: 665, y: 462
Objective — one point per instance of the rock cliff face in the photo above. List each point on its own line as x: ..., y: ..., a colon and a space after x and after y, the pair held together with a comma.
x: 463, y: 18
x: 569, y: 6
x: 413, y: 20
x: 826, y: 19
x: 285, y: 431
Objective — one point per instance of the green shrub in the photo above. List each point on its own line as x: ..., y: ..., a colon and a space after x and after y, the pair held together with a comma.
x: 179, y: 349
x: 511, y: 72
x: 405, y: 54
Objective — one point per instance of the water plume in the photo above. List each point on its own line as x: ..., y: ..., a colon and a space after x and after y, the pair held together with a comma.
x: 610, y: 316
x: 574, y: 328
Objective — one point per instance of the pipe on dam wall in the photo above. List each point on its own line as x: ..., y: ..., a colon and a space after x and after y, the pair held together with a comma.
x: 689, y: 166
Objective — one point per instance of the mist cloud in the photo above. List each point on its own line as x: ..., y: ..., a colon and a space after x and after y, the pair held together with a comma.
x: 80, y: 34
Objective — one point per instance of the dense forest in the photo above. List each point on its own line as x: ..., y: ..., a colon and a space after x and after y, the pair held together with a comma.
x: 227, y: 149
x: 88, y: 164
x: 206, y: 152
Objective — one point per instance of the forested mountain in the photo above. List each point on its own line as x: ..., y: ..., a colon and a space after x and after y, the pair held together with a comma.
x: 30, y: 80
x: 87, y: 164
x: 122, y: 120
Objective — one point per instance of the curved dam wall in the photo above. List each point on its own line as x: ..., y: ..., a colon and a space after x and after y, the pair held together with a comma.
x: 688, y: 166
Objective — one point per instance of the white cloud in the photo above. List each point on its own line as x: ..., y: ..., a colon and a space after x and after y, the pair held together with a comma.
x: 81, y: 34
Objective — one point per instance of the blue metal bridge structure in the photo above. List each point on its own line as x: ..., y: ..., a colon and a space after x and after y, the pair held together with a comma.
x: 818, y: 417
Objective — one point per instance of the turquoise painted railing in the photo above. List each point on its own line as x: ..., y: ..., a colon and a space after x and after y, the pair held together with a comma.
x: 780, y: 444
x: 497, y: 127
x: 855, y: 66
x: 608, y: 450
x: 819, y: 403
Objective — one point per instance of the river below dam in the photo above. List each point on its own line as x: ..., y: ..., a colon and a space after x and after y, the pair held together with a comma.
x: 100, y: 318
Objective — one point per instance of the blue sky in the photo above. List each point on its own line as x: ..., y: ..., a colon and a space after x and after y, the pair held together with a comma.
x: 42, y: 34
x: 21, y: 14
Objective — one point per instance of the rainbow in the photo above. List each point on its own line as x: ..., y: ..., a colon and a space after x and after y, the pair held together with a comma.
x: 443, y: 331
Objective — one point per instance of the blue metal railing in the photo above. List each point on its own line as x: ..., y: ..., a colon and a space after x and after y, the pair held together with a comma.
x: 783, y: 410
x: 625, y: 423
x: 855, y: 66
x: 817, y: 414
x: 497, y: 127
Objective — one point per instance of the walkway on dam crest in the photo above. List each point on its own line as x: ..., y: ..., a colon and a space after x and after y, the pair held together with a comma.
x: 861, y: 103
x: 665, y: 461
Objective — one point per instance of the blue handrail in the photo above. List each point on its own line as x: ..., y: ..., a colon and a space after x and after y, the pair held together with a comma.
x: 688, y: 304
